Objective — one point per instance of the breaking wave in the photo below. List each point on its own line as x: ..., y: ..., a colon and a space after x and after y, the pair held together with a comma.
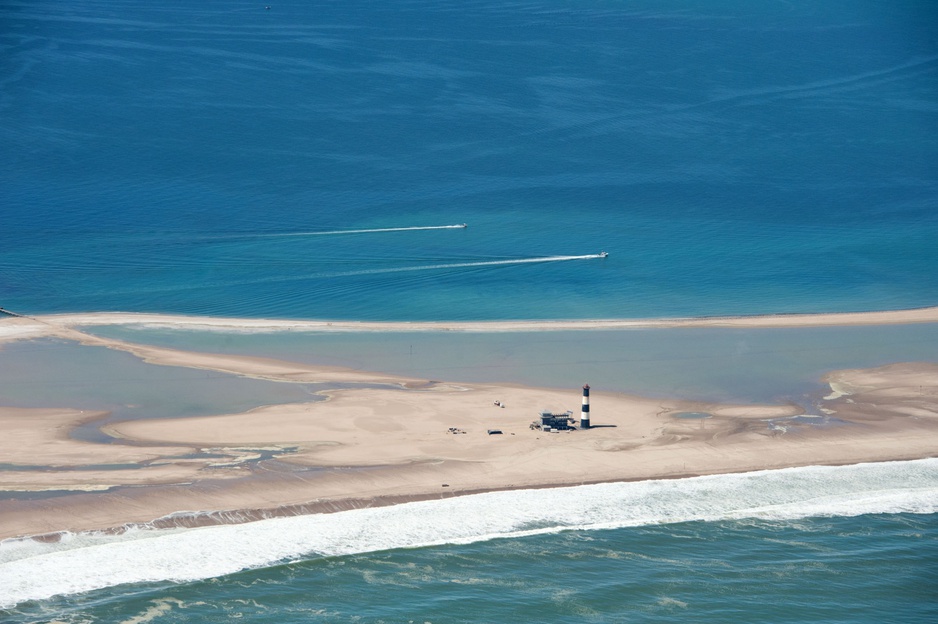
x: 81, y: 562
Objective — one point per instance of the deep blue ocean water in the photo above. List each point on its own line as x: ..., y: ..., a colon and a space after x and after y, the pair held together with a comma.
x: 732, y: 157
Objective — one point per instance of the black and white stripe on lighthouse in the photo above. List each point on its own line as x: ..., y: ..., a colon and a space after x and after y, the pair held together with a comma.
x: 585, y: 413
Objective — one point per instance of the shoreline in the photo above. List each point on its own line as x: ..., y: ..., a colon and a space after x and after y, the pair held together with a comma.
x: 188, y: 519
x: 384, y: 445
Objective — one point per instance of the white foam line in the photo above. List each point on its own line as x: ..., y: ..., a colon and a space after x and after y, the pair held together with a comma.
x: 368, y: 231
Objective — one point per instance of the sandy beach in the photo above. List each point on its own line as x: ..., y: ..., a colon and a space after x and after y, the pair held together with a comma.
x: 415, y: 439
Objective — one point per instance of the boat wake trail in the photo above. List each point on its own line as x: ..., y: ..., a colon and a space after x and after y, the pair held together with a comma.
x: 459, y: 265
x: 357, y: 272
x: 244, y: 236
x: 461, y: 226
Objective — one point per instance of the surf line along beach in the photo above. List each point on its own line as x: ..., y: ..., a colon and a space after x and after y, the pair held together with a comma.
x: 391, y: 439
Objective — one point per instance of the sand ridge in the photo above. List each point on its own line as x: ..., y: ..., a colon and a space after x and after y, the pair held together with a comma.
x: 37, y: 325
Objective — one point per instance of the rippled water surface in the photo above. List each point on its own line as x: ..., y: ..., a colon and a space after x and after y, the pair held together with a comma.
x: 731, y: 157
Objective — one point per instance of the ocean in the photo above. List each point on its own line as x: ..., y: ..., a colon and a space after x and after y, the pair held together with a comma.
x: 731, y: 157
x: 310, y: 159
x: 850, y: 543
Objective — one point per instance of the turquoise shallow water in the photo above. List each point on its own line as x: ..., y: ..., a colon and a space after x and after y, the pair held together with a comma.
x: 732, y: 157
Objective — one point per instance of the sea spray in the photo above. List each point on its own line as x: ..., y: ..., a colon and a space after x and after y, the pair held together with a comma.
x: 85, y: 562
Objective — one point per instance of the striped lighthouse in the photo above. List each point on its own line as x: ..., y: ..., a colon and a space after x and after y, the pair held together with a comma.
x: 585, y: 413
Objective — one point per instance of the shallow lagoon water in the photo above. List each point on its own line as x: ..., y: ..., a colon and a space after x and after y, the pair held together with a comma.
x: 56, y: 373
x: 692, y: 415
x: 713, y: 364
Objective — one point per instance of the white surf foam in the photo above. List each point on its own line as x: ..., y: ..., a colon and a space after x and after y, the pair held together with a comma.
x: 84, y: 562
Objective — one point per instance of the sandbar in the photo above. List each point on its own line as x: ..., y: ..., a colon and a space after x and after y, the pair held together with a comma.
x: 406, y: 438
x: 52, y: 323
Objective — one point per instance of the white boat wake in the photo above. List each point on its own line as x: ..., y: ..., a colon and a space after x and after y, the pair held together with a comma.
x: 352, y: 273
x: 256, y: 235
x: 460, y: 226
x: 481, y: 263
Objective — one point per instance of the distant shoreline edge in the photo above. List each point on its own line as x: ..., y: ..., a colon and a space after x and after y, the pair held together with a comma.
x: 885, y: 317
